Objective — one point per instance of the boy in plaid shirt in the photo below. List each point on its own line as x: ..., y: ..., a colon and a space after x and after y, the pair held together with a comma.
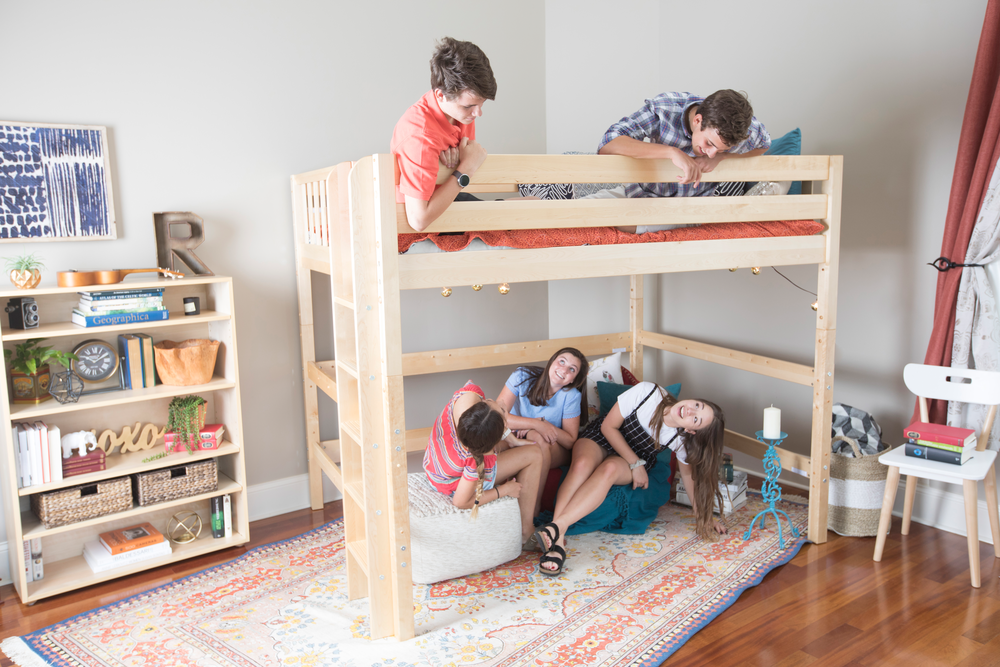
x: 695, y: 133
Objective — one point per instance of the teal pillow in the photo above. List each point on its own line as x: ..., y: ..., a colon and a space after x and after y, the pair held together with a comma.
x: 609, y: 392
x: 790, y: 144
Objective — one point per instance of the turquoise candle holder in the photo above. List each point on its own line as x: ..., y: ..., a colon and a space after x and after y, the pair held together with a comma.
x: 770, y: 490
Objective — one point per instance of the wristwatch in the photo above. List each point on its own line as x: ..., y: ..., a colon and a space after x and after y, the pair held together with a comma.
x: 635, y: 465
x: 463, y: 179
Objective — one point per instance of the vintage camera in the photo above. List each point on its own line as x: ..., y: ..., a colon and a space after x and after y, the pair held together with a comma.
x: 23, y: 312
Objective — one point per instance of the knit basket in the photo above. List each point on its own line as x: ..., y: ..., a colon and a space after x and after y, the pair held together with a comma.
x: 857, y: 485
x: 177, y: 482
x: 79, y: 503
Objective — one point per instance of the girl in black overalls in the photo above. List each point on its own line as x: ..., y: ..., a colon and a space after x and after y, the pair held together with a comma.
x: 623, y: 446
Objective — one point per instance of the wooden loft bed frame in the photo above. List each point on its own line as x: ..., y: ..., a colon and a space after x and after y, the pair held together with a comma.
x: 346, y: 221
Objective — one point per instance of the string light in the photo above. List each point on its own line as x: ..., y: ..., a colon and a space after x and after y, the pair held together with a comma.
x: 476, y: 288
x: 446, y: 291
x: 503, y: 288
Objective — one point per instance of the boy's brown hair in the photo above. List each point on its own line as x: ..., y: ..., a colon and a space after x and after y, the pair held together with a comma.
x: 729, y: 112
x: 459, y: 66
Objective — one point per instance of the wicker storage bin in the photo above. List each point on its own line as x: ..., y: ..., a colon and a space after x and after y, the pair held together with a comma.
x: 177, y: 482
x: 79, y: 503
x: 856, y: 487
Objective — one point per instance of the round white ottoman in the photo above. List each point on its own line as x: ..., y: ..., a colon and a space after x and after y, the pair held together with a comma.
x: 446, y: 544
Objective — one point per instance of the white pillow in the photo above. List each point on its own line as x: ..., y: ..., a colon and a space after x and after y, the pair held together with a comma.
x: 608, y: 369
x: 769, y: 188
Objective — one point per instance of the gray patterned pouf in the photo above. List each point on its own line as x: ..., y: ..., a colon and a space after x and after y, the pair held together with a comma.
x: 446, y: 544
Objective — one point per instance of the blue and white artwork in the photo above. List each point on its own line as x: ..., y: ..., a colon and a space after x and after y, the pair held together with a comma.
x: 55, y: 183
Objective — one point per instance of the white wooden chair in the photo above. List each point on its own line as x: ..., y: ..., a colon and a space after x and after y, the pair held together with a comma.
x: 967, y: 386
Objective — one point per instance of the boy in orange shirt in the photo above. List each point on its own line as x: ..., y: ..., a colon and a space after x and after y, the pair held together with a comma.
x: 435, y: 140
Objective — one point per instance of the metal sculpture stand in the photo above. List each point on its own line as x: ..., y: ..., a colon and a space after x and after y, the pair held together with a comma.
x: 770, y: 490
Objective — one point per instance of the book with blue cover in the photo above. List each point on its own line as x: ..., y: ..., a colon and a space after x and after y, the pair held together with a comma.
x: 82, y: 319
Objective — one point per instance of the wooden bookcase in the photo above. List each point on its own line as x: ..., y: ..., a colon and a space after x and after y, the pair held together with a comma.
x: 62, y: 547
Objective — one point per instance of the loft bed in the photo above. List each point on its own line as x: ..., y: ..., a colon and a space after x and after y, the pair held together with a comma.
x: 348, y: 225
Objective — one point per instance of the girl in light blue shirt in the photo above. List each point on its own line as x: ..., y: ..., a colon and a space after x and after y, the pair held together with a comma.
x: 546, y: 406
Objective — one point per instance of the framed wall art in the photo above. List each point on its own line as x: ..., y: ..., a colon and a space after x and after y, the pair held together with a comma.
x: 55, y: 183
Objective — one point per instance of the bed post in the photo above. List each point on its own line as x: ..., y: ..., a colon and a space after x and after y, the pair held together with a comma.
x: 826, y: 334
x: 635, y: 321
x: 307, y: 340
x: 380, y: 383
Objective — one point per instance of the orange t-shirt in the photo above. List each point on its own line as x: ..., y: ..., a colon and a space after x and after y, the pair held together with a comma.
x: 417, y: 141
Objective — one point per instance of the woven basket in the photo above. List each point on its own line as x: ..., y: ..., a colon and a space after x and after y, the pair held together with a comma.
x: 79, y: 503
x: 857, y: 485
x: 178, y: 482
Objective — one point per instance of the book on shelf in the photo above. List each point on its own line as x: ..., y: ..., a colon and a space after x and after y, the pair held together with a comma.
x: 939, y: 455
x: 45, y: 457
x: 92, y: 461
x: 947, y: 435
x: 131, y: 538
x: 227, y: 515
x: 209, y: 437
x: 100, y: 560
x: 140, y: 301
x: 130, y: 350
x: 84, y: 320
x: 218, y: 521
x: 55, y: 453
x: 34, y: 454
x: 120, y: 294
x: 941, y: 445
x: 148, y: 360
x: 137, y: 308
x: 34, y: 568
x: 24, y: 455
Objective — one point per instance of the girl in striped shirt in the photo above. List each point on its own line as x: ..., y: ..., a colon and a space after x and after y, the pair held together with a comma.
x: 461, y: 461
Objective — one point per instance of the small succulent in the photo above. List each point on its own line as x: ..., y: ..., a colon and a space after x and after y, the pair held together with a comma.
x: 26, y: 262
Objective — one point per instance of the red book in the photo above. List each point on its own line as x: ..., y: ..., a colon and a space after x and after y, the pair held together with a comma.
x: 209, y: 437
x: 948, y: 435
x: 133, y: 537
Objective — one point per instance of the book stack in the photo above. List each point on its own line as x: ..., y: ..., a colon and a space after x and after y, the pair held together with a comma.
x: 121, y: 306
x: 734, y: 494
x: 39, y: 453
x: 125, y: 546
x: 94, y: 461
x: 937, y: 442
x: 138, y: 365
x: 210, y: 437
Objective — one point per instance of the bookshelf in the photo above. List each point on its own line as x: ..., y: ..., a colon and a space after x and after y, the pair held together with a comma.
x: 62, y: 546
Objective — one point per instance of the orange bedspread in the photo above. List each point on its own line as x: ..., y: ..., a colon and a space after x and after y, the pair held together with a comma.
x: 576, y: 236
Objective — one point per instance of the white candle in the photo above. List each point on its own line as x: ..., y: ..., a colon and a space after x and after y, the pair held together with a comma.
x: 772, y: 423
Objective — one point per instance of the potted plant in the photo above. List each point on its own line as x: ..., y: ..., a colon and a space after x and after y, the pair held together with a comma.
x: 24, y: 270
x: 29, y: 369
x: 185, y: 418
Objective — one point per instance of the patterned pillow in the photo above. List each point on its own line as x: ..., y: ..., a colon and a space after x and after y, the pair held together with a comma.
x: 608, y: 369
x: 729, y: 189
x: 564, y: 190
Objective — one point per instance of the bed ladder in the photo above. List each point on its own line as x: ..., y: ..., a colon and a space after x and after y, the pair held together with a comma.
x: 359, y: 463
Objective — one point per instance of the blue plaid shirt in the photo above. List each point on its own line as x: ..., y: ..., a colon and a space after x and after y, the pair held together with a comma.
x: 661, y: 120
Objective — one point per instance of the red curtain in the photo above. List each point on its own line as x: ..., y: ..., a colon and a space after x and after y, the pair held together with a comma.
x: 978, y: 150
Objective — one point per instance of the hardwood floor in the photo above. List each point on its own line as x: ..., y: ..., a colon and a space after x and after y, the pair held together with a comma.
x: 831, y: 605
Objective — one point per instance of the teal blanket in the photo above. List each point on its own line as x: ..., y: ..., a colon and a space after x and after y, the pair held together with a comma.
x: 625, y: 510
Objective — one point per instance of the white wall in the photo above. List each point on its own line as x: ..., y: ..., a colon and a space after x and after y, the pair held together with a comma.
x: 211, y: 106
x: 876, y: 82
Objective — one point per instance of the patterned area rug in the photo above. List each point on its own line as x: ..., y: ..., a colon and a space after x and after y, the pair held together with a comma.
x: 622, y: 600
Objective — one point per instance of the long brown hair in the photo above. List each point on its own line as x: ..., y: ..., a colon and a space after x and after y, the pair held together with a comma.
x: 538, y: 393
x: 480, y: 429
x: 704, y: 455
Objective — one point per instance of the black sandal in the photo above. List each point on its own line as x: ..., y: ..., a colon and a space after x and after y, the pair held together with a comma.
x: 543, y: 533
x: 559, y: 560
